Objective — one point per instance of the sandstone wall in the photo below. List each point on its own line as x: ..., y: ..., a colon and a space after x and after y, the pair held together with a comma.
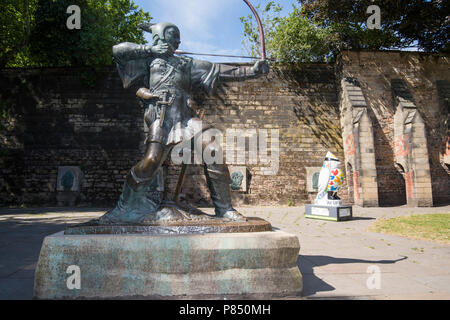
x: 55, y: 119
x: 427, y: 79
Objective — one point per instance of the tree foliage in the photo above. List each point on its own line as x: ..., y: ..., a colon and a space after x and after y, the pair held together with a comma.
x: 404, y: 23
x: 293, y: 38
x: 41, y: 38
x: 317, y: 30
x: 16, y: 22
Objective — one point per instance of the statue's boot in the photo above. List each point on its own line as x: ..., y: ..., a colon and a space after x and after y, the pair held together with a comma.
x: 218, y: 179
x: 126, y: 210
x: 134, y: 206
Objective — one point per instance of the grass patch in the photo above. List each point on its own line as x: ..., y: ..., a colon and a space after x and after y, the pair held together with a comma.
x: 435, y: 227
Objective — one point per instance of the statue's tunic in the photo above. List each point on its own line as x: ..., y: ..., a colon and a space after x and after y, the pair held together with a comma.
x: 172, y: 79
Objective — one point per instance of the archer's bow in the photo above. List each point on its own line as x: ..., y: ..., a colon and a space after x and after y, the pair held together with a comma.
x: 261, y: 30
x: 147, y: 27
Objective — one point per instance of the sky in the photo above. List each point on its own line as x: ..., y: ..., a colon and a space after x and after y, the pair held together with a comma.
x: 206, y: 26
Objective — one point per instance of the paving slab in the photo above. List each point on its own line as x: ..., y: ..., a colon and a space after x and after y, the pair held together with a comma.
x: 334, y: 256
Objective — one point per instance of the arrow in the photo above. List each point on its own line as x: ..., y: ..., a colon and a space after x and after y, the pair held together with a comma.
x: 218, y: 55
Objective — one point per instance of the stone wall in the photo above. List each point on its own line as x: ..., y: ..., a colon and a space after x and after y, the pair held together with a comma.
x: 55, y: 119
x: 359, y: 108
x: 300, y: 102
x: 395, y: 85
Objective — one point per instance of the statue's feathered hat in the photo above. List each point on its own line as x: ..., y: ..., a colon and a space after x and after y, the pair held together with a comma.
x: 157, y: 29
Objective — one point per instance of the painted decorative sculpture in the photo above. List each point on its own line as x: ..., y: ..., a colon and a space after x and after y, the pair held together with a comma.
x: 330, y: 180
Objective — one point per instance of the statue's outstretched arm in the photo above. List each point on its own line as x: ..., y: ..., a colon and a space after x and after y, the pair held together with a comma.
x: 205, y: 74
x: 230, y: 72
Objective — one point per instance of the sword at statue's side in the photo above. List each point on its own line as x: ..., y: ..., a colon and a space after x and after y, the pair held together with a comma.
x: 182, y: 175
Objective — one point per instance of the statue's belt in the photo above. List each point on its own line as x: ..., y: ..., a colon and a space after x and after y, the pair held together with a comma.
x: 162, y: 96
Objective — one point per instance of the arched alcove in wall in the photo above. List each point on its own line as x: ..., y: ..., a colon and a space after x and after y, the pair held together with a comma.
x: 398, y: 197
x: 350, y: 184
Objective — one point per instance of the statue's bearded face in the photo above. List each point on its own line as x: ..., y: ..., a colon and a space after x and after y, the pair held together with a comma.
x: 172, y: 37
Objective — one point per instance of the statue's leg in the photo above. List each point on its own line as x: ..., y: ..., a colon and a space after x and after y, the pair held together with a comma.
x: 143, y: 173
x: 133, y: 202
x: 218, y: 180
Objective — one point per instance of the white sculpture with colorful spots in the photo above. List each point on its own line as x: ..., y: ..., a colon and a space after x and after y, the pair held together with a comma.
x: 330, y: 180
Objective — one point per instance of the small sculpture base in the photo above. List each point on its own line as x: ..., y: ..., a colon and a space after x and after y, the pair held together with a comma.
x: 184, y: 266
x: 327, y: 212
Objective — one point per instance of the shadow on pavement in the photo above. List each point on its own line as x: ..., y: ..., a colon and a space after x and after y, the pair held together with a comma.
x: 40, y: 210
x: 21, y: 240
x: 361, y: 218
x: 313, y: 284
x: 20, y: 245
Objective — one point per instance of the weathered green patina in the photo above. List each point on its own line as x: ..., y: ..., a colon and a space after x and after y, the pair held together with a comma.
x: 168, y: 82
x: 215, y: 265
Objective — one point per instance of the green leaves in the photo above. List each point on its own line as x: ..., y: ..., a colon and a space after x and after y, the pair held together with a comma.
x: 48, y: 41
x: 317, y: 30
x: 16, y: 21
x: 296, y: 39
x: 293, y: 38
x: 404, y: 23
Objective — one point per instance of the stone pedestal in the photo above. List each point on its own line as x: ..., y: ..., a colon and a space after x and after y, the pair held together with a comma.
x: 163, y: 266
x: 326, y: 212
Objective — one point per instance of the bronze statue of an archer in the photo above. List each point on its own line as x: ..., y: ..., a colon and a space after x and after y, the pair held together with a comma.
x: 169, y: 82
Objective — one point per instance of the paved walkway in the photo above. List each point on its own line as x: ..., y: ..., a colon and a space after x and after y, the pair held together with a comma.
x: 335, y: 257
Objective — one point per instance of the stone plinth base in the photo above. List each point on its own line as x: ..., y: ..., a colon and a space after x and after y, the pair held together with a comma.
x: 334, y: 213
x: 212, y: 265
x: 175, y: 227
